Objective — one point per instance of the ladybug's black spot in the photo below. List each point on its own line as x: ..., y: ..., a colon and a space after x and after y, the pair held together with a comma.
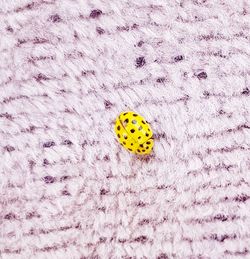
x: 147, y: 147
x: 143, y: 150
x: 131, y: 144
x: 125, y: 113
x: 147, y: 134
x: 141, y: 145
x: 124, y: 142
x: 148, y: 142
x: 125, y: 136
x: 140, y: 128
x: 129, y: 149
x: 132, y: 131
x: 118, y: 128
x: 139, y: 137
x: 143, y: 122
x: 134, y: 121
x: 126, y: 121
x: 139, y: 150
x: 118, y: 135
x: 135, y: 115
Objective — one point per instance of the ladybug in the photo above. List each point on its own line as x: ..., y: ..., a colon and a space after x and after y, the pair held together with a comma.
x: 134, y: 133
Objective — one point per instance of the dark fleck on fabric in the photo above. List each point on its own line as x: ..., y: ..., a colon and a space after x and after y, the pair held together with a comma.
x: 68, y: 187
x: 49, y: 144
x: 178, y: 58
x: 140, y: 62
x: 55, y: 18
x: 95, y: 13
x: 202, y: 75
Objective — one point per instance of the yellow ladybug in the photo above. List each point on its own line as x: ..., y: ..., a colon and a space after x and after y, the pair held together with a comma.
x: 134, y: 133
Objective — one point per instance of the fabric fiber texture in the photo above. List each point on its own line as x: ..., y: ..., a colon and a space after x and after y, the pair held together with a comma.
x: 68, y: 189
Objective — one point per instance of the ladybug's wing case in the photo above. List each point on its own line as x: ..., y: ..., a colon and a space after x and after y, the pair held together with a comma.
x: 146, y: 147
x: 124, y: 138
x: 134, y: 133
x: 136, y: 127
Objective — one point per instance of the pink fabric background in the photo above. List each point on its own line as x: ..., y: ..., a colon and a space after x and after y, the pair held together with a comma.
x: 67, y: 188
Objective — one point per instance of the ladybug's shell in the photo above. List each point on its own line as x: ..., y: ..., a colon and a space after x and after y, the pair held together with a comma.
x: 134, y: 133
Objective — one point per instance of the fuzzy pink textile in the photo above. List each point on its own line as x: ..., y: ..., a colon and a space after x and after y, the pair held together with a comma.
x: 68, y: 190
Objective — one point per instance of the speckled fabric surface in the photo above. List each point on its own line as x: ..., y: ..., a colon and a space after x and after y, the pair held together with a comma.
x: 67, y: 188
